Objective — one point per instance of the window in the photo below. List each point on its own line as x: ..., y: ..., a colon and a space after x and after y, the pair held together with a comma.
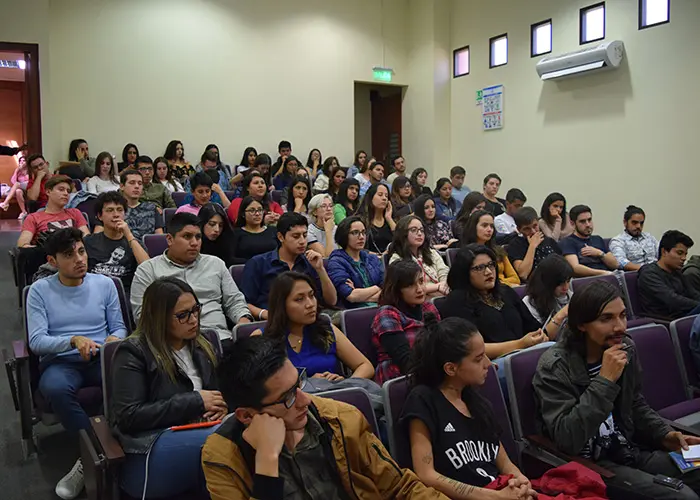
x: 460, y: 58
x: 541, y: 38
x: 592, y: 23
x: 654, y: 13
x: 498, y: 51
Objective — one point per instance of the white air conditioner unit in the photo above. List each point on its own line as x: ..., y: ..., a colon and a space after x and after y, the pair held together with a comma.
x: 606, y: 55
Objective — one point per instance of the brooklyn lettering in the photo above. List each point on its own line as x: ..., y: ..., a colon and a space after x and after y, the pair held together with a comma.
x: 471, y: 451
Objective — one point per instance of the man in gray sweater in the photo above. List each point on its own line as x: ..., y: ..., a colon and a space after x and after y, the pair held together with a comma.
x: 206, y: 274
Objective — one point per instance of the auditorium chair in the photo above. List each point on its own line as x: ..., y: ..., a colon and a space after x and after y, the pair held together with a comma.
x: 680, y: 335
x: 357, y: 326
x: 155, y: 244
x: 357, y: 397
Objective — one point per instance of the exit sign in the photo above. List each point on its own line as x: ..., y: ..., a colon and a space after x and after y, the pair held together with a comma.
x: 383, y: 74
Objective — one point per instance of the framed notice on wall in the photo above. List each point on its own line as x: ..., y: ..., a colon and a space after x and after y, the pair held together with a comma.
x: 492, y: 107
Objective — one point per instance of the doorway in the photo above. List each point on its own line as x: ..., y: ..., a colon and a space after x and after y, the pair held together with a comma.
x: 378, y: 120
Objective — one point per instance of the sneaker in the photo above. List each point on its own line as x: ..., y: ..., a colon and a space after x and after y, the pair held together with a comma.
x: 22, y: 216
x: 72, y: 483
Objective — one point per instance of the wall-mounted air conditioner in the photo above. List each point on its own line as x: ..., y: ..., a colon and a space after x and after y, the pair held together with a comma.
x: 606, y: 55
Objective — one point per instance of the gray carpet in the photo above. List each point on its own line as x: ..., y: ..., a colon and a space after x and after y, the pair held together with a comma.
x: 36, y: 478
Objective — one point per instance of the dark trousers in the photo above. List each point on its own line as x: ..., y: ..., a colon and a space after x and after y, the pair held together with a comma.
x: 638, y: 482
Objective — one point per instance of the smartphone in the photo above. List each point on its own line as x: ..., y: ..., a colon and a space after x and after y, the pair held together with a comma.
x: 669, y: 482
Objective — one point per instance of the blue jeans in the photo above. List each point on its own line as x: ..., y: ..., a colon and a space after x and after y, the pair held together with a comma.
x: 61, y: 378
x: 174, y: 465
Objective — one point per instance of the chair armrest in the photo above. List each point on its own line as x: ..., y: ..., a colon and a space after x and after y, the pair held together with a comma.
x: 690, y: 431
x: 111, y: 448
x: 20, y: 350
x: 547, y: 445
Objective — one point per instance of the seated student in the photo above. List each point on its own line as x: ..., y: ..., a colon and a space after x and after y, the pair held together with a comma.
x: 495, y: 205
x: 284, y: 443
x: 337, y: 179
x: 106, y: 178
x: 363, y: 176
x: 410, y: 243
x: 633, y: 247
x: 38, y: 225
x: 419, y: 181
x: 251, y: 236
x: 357, y: 165
x: 663, y: 290
x: 691, y: 272
x: 164, y: 175
x: 403, y: 312
x: 449, y: 365
x: 322, y: 228
x: 69, y: 316
x: 39, y: 172
x: 472, y: 202
x: 459, y: 190
x: 587, y: 390
x: 130, y: 154
x: 438, y: 231
x: 554, y: 221
x: 80, y: 164
x: 398, y: 168
x: 505, y: 223
x: 376, y: 177
x: 298, y: 195
x: 549, y: 293
x: 207, y: 275
x: 375, y: 211
x: 347, y: 201
x: 175, y: 154
x: 204, y: 191
x: 114, y: 251
x: 447, y: 206
x: 588, y: 254
x: 496, y: 310
x: 311, y: 341
x: 18, y: 183
x: 401, y: 197
x: 217, y: 234
x: 323, y: 180
x: 356, y: 274
x: 143, y: 217
x: 162, y: 376
x: 286, y: 172
x: 153, y: 191
x: 211, y: 163
x: 292, y: 255
x: 254, y: 185
x: 530, y: 247
x: 479, y: 230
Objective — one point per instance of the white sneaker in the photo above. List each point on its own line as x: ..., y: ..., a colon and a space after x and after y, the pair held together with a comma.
x: 72, y: 483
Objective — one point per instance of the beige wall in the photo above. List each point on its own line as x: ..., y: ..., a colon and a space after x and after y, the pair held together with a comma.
x: 607, y: 140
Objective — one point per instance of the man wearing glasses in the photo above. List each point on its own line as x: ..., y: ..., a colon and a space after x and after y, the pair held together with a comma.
x: 153, y: 191
x: 283, y: 443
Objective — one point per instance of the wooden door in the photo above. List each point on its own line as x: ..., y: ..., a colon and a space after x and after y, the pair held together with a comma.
x: 386, y: 125
x: 13, y: 123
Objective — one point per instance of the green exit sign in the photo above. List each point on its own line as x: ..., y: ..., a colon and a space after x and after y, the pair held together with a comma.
x: 383, y: 74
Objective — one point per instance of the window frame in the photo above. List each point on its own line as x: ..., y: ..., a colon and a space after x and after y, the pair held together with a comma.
x: 533, y: 28
x: 454, y: 58
x: 642, y: 26
x: 581, y: 17
x: 491, y: 40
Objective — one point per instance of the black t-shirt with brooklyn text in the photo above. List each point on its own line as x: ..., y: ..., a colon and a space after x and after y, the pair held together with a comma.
x: 464, y: 449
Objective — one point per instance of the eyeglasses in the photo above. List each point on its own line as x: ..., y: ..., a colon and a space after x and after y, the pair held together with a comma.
x: 483, y: 267
x: 290, y: 397
x: 357, y: 232
x: 254, y: 211
x: 145, y: 169
x: 184, y: 316
x: 327, y: 206
x: 416, y: 230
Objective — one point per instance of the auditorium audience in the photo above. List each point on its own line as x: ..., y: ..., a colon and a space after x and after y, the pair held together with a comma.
x: 70, y: 315
x: 298, y: 196
x: 633, y: 247
x: 505, y: 223
x: 204, y: 191
x: 444, y: 414
x: 531, y: 246
x: 347, y: 201
x: 18, y: 185
x: 38, y: 225
x: 105, y: 178
x: 323, y: 180
x: 411, y: 243
x: 251, y: 235
x: 163, y: 376
x: 401, y: 197
x: 153, y: 191
x: 175, y: 154
x: 549, y: 293
x: 311, y: 341
x: 401, y: 315
x: 129, y: 155
x: 164, y: 174
x: 207, y: 275
x: 357, y: 165
x: 296, y: 438
x: 398, y: 168
x: 356, y: 274
x: 376, y: 213
x: 217, y: 235
x: 254, y: 185
x: 321, y: 237
x: 292, y: 255
x: 459, y: 190
x: 589, y: 401
x: 419, y: 181
x: 479, y: 230
x: 554, y: 220
x: 664, y: 291
x: 438, y: 231
x: 447, y: 207
x: 375, y: 171
x: 336, y: 180
x: 313, y: 162
x: 587, y: 253
x: 494, y: 205
x: 39, y: 173
x: 496, y: 310
x: 211, y: 160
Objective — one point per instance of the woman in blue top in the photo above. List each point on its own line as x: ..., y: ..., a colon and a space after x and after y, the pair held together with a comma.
x: 312, y: 342
x: 447, y: 207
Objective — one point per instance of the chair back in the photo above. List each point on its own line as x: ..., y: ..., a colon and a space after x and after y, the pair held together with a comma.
x: 276, y: 195
x: 451, y: 254
x: 521, y: 290
x: 107, y: 353
x: 237, y: 273
x: 230, y: 195
x: 124, y: 305
x: 633, y: 303
x: 357, y: 397
x: 394, y: 394
x: 155, y: 244
x: 78, y: 184
x: 89, y: 207
x: 179, y: 198
x: 34, y: 373
x: 439, y: 302
x: 491, y: 390
x: 243, y: 330
x: 520, y: 370
x: 680, y: 336
x: 616, y: 280
x: 87, y: 219
x: 168, y: 216
x: 607, y: 242
x: 213, y: 337
x: 357, y: 326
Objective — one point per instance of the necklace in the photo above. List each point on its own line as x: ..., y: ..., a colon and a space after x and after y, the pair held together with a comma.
x: 295, y: 343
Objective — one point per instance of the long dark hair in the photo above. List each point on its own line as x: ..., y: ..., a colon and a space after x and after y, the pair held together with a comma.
x: 218, y: 154
x: 544, y: 212
x: 245, y: 203
x: 469, y: 233
x: 447, y: 341
x: 290, y: 192
x: 417, y: 188
x: 170, y: 150
x: 356, y: 162
x: 326, y: 165
x: 399, y: 183
x: 244, y: 158
x: 247, y: 179
x: 222, y: 247
x: 366, y: 209
x: 459, y: 277
x: 309, y: 161
x: 342, y: 198
x: 98, y: 166
x: 320, y: 333
x: 400, y: 245
x: 169, y: 176
x: 332, y: 189
x: 553, y: 271
x: 264, y: 159
x: 400, y: 274
x: 125, y: 152
x: 72, y: 147
x: 419, y: 208
x: 586, y: 306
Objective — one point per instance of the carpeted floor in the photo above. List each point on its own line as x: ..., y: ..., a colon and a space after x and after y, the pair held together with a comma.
x: 36, y: 478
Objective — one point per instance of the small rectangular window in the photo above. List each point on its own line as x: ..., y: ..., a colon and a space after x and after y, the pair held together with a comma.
x: 460, y: 62
x: 592, y: 23
x: 498, y: 51
x: 541, y: 38
x: 654, y: 13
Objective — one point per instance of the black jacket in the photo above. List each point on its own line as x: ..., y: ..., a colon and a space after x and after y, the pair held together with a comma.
x: 144, y: 400
x: 663, y: 294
